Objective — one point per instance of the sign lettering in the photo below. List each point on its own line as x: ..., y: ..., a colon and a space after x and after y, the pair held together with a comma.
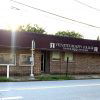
x: 72, y: 47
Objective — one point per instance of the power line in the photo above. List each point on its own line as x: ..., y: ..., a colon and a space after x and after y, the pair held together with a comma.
x: 55, y: 14
x: 12, y: 7
x: 87, y: 5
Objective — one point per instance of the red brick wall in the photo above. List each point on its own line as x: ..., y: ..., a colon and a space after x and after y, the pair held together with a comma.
x: 37, y: 60
x: 82, y: 64
x: 37, y: 67
x: 87, y: 63
x: 22, y: 70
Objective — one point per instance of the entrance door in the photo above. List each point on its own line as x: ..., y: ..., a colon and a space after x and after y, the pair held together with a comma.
x: 45, y: 62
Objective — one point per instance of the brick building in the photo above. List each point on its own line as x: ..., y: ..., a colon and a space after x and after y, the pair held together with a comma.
x: 51, y: 54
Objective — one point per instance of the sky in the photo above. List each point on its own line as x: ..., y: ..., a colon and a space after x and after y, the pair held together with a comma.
x: 11, y: 17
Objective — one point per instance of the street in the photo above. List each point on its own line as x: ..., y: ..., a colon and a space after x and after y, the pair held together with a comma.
x: 51, y: 90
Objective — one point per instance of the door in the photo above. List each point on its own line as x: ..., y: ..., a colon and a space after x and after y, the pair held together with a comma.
x: 45, y: 62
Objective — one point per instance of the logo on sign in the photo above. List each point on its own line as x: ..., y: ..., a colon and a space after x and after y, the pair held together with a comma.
x: 52, y: 45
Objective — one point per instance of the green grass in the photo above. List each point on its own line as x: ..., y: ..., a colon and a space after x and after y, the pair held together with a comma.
x: 43, y: 77
x: 53, y: 77
x: 4, y: 79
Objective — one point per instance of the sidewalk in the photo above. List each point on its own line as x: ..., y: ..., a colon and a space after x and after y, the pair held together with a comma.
x: 23, y: 78
x: 76, y: 77
x: 92, y: 76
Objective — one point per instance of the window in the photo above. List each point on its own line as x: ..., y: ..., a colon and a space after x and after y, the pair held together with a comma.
x: 55, y: 55
x: 7, y: 58
x: 69, y: 55
x: 24, y: 60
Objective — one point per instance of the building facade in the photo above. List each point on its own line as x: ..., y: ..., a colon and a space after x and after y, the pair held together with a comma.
x: 52, y: 54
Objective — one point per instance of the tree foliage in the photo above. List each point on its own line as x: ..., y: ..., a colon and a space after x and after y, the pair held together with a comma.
x: 98, y: 38
x: 30, y: 28
x: 69, y: 34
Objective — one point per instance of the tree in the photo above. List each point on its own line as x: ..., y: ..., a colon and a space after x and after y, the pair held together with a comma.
x: 30, y: 28
x: 69, y: 34
x: 98, y: 38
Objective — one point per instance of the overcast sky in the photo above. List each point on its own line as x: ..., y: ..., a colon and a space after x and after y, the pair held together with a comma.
x: 68, y: 8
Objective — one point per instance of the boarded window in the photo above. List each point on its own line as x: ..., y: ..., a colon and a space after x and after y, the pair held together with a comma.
x: 7, y: 58
x: 68, y: 55
x: 55, y: 55
x: 24, y: 60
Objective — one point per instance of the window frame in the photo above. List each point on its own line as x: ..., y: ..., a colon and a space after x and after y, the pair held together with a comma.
x: 55, y: 59
x: 9, y: 64
x: 21, y: 58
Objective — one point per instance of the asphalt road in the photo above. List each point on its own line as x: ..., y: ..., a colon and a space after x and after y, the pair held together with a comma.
x: 51, y: 90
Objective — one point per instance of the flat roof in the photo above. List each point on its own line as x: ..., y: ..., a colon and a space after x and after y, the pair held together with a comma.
x: 23, y: 40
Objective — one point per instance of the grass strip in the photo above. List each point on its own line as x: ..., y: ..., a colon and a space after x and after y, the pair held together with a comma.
x: 53, y: 77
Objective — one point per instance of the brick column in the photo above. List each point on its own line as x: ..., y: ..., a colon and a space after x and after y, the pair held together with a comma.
x: 37, y: 67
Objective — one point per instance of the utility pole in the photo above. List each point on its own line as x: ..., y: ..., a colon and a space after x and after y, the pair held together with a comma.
x: 32, y: 58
